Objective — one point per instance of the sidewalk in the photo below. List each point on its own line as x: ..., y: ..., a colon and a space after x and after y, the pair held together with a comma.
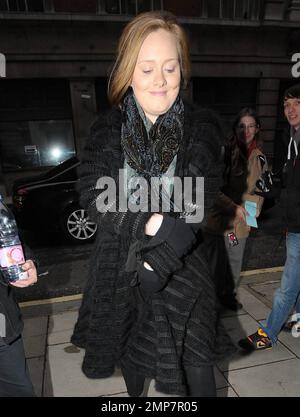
x: 55, y: 364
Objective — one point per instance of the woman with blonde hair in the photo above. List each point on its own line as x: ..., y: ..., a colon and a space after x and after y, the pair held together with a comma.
x: 149, y: 304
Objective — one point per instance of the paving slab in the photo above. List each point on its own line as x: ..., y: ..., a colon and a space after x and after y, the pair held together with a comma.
x: 64, y: 377
x: 47, y: 382
x: 280, y: 379
x: 61, y: 327
x: 265, y: 290
x: 36, y: 371
x: 62, y: 321
x: 35, y: 346
x: 257, y: 309
x: 63, y: 336
x: 151, y: 392
x: 243, y: 375
x: 230, y: 313
x: 291, y: 342
x: 226, y: 392
x: 221, y: 381
x: 35, y: 326
x: 240, y: 327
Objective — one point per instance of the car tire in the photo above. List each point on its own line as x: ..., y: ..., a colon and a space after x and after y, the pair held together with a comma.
x: 76, y: 225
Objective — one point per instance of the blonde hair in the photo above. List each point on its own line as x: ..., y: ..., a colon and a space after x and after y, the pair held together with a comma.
x: 129, y: 47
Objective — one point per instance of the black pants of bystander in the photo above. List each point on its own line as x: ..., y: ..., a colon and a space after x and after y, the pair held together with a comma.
x: 14, y: 375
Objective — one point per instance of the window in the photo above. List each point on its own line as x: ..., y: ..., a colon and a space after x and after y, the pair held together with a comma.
x: 185, y: 8
x: 35, y: 6
x: 75, y: 6
x: 144, y: 6
x: 22, y: 5
x: 213, y: 9
x: 34, y: 144
x: 230, y: 9
x: 131, y: 7
x: 112, y: 6
x: 157, y: 4
x: 227, y: 96
x: 35, y: 123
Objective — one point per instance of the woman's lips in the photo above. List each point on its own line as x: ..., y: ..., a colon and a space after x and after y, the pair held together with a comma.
x: 158, y: 93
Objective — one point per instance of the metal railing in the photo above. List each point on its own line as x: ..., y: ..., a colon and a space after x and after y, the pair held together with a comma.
x: 232, y: 9
x: 22, y: 6
x: 131, y: 7
x: 251, y: 10
x: 220, y: 9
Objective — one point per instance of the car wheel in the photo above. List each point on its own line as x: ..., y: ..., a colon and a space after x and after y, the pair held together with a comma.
x: 76, y: 225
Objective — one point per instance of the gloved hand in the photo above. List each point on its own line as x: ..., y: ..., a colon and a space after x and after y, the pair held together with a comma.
x: 150, y: 282
x: 178, y: 234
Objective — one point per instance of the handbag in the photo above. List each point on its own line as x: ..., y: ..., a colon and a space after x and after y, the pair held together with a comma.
x: 269, y: 183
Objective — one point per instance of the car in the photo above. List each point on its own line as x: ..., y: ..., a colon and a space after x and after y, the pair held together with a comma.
x: 50, y: 202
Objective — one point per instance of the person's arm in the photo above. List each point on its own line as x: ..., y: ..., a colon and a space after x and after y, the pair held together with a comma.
x: 97, y: 161
x: 28, y: 266
x: 205, y: 161
x: 226, y: 208
x: 207, y: 156
x: 175, y: 238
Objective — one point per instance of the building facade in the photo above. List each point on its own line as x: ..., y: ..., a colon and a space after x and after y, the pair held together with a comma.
x: 58, y: 55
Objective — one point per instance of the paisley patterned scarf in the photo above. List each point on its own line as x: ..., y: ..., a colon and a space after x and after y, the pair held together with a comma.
x: 151, y: 154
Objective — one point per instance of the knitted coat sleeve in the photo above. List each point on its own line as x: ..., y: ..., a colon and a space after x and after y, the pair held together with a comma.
x: 102, y: 158
x: 207, y: 162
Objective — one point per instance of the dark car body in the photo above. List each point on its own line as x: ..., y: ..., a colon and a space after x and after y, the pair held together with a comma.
x: 50, y: 202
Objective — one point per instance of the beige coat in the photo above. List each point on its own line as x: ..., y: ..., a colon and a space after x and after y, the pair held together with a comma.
x: 222, y: 219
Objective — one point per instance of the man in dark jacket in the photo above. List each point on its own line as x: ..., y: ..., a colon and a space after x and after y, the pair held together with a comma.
x: 287, y: 296
x: 14, y: 376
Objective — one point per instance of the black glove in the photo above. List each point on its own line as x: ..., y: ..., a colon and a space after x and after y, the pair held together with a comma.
x: 150, y: 282
x: 178, y: 234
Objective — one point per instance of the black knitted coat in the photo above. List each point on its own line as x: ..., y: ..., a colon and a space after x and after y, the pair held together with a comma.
x: 179, y: 325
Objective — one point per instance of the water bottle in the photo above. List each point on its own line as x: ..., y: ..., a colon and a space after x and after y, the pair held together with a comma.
x: 11, y: 251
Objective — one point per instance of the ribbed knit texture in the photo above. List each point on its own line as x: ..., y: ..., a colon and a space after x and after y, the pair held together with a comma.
x: 179, y: 325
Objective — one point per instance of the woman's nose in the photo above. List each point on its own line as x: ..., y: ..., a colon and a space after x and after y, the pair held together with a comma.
x: 159, y: 79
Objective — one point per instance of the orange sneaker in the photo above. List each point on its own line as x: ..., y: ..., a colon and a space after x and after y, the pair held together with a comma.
x: 256, y: 341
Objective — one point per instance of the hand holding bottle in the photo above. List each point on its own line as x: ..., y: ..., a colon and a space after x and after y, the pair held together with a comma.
x: 30, y: 268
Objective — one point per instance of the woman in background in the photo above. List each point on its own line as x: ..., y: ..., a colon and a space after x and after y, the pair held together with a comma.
x: 244, y: 164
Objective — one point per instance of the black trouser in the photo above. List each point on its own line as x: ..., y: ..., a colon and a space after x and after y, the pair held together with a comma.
x: 219, y: 265
x: 200, y: 381
x: 14, y: 375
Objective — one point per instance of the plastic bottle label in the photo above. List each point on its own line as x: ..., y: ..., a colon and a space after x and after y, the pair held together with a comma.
x: 12, y: 255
